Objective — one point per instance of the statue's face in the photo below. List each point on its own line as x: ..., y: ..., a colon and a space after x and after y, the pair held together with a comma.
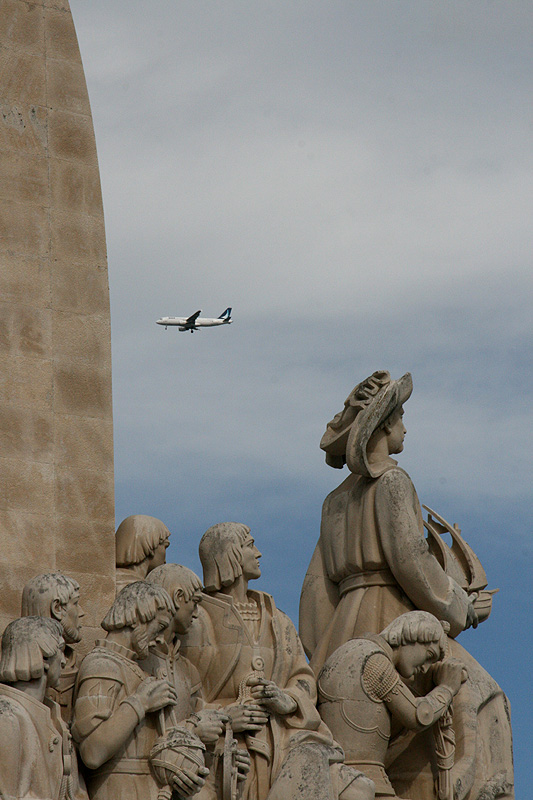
x: 416, y: 658
x: 396, y: 433
x: 250, y: 559
x: 71, y: 619
x: 186, y: 613
x: 146, y: 634
x: 56, y: 663
x: 159, y: 557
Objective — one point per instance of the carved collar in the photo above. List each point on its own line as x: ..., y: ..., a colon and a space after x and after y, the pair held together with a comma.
x: 117, y: 648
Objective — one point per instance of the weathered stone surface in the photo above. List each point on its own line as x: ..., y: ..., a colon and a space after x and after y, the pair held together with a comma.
x: 56, y: 484
x: 373, y: 563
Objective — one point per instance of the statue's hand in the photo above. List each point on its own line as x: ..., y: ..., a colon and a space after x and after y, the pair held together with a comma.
x: 209, y: 725
x: 154, y: 694
x: 249, y: 717
x: 450, y: 673
x: 471, y: 614
x: 271, y: 696
x: 242, y: 762
x: 187, y: 783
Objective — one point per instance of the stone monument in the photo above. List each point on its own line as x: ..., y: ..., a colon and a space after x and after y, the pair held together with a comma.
x: 56, y: 494
x: 416, y: 715
x: 373, y: 563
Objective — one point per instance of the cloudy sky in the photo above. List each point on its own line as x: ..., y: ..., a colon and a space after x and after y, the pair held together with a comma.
x: 355, y: 179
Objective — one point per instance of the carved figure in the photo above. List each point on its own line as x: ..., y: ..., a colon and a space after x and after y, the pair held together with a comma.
x: 166, y: 661
x: 37, y: 758
x: 114, y: 721
x: 140, y: 544
x: 252, y: 664
x: 57, y: 596
x: 372, y: 563
x: 362, y: 692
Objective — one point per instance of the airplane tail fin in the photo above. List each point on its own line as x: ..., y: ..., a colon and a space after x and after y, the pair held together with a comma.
x: 226, y: 314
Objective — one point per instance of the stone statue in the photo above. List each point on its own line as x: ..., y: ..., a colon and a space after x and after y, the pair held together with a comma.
x: 140, y: 544
x: 114, y: 721
x: 373, y: 563
x: 166, y: 661
x: 362, y: 692
x: 37, y: 758
x: 252, y: 664
x: 57, y: 596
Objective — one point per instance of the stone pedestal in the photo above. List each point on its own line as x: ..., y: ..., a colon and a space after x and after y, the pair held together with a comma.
x: 56, y: 445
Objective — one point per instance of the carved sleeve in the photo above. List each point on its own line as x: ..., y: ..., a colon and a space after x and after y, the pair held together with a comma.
x: 382, y: 682
x: 379, y: 677
x: 299, y: 681
x: 406, y: 550
x: 95, y: 702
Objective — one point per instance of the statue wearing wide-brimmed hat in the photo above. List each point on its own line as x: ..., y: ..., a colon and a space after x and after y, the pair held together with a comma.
x: 373, y: 563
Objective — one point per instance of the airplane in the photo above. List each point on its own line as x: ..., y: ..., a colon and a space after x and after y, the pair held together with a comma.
x: 195, y: 321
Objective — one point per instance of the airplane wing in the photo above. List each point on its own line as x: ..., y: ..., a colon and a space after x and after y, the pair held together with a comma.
x: 192, y: 319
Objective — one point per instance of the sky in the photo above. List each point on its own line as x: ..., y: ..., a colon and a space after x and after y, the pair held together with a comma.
x: 355, y: 180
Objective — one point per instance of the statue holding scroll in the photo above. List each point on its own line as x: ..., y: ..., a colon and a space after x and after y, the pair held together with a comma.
x: 373, y: 563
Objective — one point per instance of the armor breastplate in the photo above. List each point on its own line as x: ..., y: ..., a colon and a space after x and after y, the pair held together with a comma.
x: 360, y: 723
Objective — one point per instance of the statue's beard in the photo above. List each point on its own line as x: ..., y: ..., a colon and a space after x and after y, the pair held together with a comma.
x: 71, y: 634
x: 140, y: 643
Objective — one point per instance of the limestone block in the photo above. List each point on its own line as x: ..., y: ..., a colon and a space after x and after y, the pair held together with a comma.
x: 81, y: 337
x: 82, y: 390
x: 26, y: 538
x: 23, y: 229
x: 25, y: 331
x: 23, y: 26
x: 71, y: 136
x: 25, y: 382
x: 26, y: 281
x: 23, y: 128
x: 75, y: 187
x: 93, y: 549
x: 78, y: 238
x: 84, y: 494
x: 83, y: 442
x: 66, y: 87
x: 26, y: 434
x: 22, y: 77
x: 81, y: 288
x: 61, y: 40
x: 24, y: 179
x: 26, y: 485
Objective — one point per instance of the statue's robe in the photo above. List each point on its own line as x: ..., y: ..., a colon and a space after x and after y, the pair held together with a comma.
x: 108, y: 675
x: 225, y: 653
x: 63, y: 694
x: 37, y: 757
x: 371, y: 564
x: 167, y: 663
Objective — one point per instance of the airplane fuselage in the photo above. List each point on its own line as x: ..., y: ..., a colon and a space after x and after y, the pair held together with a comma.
x: 195, y: 321
x: 201, y: 322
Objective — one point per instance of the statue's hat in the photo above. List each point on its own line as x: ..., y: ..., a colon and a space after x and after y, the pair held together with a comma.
x: 365, y: 409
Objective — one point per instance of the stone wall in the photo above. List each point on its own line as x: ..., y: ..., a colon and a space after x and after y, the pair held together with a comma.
x: 56, y: 453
